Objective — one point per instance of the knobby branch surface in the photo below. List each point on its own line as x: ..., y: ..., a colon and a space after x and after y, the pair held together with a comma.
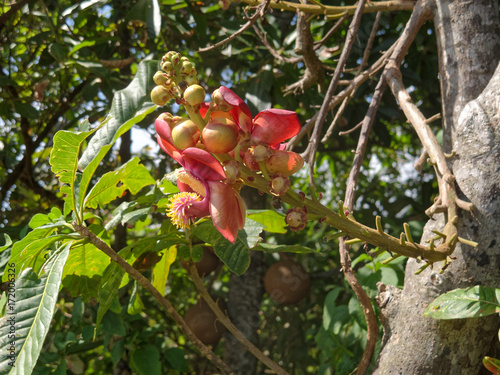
x: 224, y: 319
x: 260, y: 12
x: 336, y: 11
x: 144, y: 282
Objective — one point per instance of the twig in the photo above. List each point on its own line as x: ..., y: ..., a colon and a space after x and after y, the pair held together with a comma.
x: 272, y: 51
x: 144, y: 282
x: 261, y: 10
x: 314, y: 140
x: 364, y: 61
x: 318, y: 44
x: 230, y: 326
x: 356, y: 127
x: 337, y: 99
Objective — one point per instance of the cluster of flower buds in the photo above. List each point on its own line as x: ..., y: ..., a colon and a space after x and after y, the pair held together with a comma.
x: 176, y: 72
x: 222, y: 129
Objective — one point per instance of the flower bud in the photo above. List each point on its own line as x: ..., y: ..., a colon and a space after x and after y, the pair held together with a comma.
x: 167, y: 66
x: 187, y: 67
x: 296, y: 218
x: 278, y: 185
x: 222, y: 104
x: 194, y: 95
x: 232, y: 172
x: 220, y: 135
x: 185, y: 134
x: 191, y: 80
x: 160, y: 78
x: 261, y: 153
x: 284, y: 162
x: 160, y: 95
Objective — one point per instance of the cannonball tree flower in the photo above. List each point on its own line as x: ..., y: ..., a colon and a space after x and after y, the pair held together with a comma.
x: 204, y: 194
x: 270, y: 127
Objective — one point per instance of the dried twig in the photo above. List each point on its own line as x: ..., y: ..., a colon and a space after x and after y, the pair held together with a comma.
x: 144, y: 282
x: 260, y: 12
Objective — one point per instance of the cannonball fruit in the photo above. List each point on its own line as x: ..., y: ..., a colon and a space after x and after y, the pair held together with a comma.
x: 208, y: 262
x: 220, y: 135
x: 203, y: 322
x: 287, y: 282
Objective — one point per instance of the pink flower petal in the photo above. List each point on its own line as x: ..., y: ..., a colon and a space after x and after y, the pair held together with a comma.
x: 240, y: 111
x: 202, y: 164
x: 273, y: 126
x: 169, y: 149
x: 227, y: 210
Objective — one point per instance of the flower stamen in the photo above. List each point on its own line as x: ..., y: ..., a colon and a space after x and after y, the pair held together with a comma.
x: 177, y: 209
x: 187, y: 178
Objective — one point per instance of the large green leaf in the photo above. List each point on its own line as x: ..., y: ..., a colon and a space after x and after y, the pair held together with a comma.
x: 465, y: 303
x: 64, y: 160
x: 82, y: 274
x: 129, y: 106
x: 131, y: 176
x: 235, y: 256
x: 35, y: 300
x: 271, y: 248
x: 273, y: 221
x: 31, y: 250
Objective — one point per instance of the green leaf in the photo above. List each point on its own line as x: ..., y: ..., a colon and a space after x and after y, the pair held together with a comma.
x: 176, y: 358
x: 135, y: 305
x: 465, y: 303
x: 82, y: 274
x: 64, y: 160
x: 492, y: 364
x: 235, y: 256
x: 129, y: 106
x: 145, y: 360
x: 36, y: 298
x: 108, y: 290
x: 131, y: 176
x: 31, y: 250
x: 329, y: 308
x: 162, y: 268
x: 273, y: 221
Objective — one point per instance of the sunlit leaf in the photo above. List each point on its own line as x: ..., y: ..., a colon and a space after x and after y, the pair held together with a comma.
x: 465, y: 303
x: 273, y: 221
x: 131, y: 176
x: 108, y: 290
x: 35, y: 300
x: 162, y: 268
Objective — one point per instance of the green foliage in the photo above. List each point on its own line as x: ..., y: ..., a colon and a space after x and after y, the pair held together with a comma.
x: 35, y: 299
x: 465, y: 303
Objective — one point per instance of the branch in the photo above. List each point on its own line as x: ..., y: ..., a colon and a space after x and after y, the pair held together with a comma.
x: 336, y: 11
x: 144, y: 282
x: 230, y: 326
x: 261, y: 10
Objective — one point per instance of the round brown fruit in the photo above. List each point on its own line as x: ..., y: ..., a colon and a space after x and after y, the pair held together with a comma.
x: 203, y: 322
x: 208, y: 262
x: 287, y: 282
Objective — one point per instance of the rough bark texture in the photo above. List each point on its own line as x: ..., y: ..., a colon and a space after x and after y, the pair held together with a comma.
x: 469, y: 49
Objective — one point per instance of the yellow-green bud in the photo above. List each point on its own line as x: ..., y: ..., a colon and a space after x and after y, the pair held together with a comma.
x: 194, y: 95
x: 160, y: 95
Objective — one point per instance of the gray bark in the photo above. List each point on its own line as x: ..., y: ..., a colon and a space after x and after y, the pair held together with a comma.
x: 469, y: 50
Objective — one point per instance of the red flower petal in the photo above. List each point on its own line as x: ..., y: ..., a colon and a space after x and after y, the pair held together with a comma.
x: 273, y: 126
x: 202, y: 164
x: 227, y: 210
x: 240, y: 111
x: 169, y: 149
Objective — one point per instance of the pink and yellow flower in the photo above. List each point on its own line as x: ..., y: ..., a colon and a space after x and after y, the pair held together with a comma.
x: 204, y: 194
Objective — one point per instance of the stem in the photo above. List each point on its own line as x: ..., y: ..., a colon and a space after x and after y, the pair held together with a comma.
x: 230, y: 326
x: 144, y: 282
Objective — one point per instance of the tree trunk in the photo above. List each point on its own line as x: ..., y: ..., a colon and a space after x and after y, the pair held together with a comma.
x: 469, y: 52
